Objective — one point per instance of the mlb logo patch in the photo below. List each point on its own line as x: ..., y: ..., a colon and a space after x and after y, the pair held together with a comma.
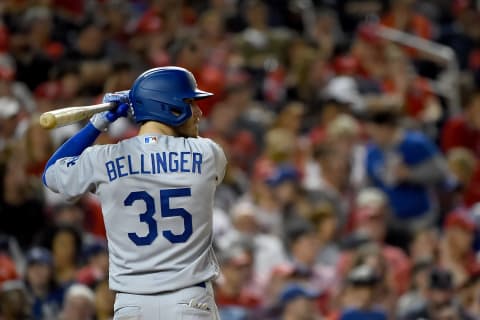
x: 150, y: 140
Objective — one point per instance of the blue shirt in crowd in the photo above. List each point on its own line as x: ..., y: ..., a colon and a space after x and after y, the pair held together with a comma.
x: 407, y: 199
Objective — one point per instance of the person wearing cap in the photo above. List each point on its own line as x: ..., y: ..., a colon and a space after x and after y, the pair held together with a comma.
x: 298, y: 303
x: 415, y: 297
x: 14, y: 301
x: 333, y: 186
x: 302, y: 249
x: 464, y: 130
x: 79, y: 303
x: 96, y: 268
x: 440, y: 299
x: 39, y: 283
x: 456, y: 246
x: 469, y: 292
x: 9, y: 120
x: 370, y: 219
x: 21, y: 205
x: 360, y: 299
x: 269, y: 250
x: 232, y: 288
x: 405, y: 165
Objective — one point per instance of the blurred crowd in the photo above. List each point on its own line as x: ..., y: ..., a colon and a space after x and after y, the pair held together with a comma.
x: 353, y: 183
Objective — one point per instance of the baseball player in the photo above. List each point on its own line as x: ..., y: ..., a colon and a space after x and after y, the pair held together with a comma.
x: 156, y: 190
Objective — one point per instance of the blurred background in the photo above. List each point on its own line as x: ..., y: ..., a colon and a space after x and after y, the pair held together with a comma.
x: 351, y: 127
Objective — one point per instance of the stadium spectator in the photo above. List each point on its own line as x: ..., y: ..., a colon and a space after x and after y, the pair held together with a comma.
x: 46, y: 299
x: 79, y: 303
x: 464, y: 130
x: 232, y: 288
x: 405, y: 165
x: 14, y: 301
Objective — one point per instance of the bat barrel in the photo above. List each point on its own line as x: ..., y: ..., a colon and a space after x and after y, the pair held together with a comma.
x: 48, y: 121
x: 69, y: 115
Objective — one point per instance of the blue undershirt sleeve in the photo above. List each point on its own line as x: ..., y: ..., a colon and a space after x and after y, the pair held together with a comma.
x: 73, y: 146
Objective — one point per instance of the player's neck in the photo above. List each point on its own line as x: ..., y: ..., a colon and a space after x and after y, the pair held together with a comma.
x: 153, y: 127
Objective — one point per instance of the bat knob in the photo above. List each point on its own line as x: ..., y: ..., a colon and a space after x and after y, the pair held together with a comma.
x: 48, y: 121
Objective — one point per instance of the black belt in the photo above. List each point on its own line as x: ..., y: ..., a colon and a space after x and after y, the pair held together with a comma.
x: 201, y: 285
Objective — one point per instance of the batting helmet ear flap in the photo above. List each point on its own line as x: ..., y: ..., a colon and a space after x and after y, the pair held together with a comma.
x: 159, y: 94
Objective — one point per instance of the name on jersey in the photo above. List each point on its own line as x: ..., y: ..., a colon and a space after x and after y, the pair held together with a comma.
x: 154, y: 163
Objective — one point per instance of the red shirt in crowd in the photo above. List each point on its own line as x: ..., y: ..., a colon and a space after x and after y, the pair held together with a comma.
x: 397, y: 261
x: 458, y: 133
x: 7, y: 269
x: 416, y: 97
x: 245, y: 299
x: 471, y: 193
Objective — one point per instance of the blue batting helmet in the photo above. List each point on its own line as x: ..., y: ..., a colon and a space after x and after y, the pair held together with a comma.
x: 159, y: 94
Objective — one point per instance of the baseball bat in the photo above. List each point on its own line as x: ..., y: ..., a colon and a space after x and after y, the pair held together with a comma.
x: 68, y: 115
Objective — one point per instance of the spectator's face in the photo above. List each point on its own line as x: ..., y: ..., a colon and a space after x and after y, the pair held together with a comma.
x: 463, y: 172
x: 8, y: 126
x: 300, y: 308
x: 380, y: 134
x: 327, y: 228
x: 212, y: 25
x: 335, y: 167
x: 438, y: 297
x: 473, y: 112
x: 449, y: 313
x: 469, y: 297
x: 358, y: 296
x: 285, y: 192
x: 100, y: 261
x: 40, y: 30
x: 237, y: 274
x: 421, y: 279
x: 39, y: 275
x: 71, y: 84
x: 90, y: 41
x: 15, y: 304
x: 78, y: 308
x: 375, y: 225
x: 191, y: 56
x: 240, y: 97
x: 305, y: 248
x: 63, y: 249
x: 257, y: 15
x: 39, y: 143
x: 460, y: 238
x: 424, y: 245
x: 222, y: 119
x: 15, y: 176
x: 246, y: 223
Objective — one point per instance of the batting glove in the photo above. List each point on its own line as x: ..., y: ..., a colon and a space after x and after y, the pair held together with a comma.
x: 103, y: 119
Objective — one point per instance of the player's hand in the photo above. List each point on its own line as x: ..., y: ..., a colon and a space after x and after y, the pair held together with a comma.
x: 122, y: 100
x: 122, y: 109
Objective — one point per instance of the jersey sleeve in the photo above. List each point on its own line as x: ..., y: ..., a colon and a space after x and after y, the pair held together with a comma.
x: 73, y: 176
x: 220, y: 161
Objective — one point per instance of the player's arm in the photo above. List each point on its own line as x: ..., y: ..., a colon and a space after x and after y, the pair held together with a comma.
x: 87, y: 135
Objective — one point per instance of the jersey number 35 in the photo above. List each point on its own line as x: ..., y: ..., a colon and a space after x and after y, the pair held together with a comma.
x: 165, y: 210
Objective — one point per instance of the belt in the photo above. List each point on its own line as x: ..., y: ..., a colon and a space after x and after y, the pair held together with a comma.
x: 201, y: 285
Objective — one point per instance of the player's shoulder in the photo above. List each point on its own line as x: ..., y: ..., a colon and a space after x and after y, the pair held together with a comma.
x: 107, y: 149
x: 209, y: 144
x: 205, y: 143
x: 208, y: 141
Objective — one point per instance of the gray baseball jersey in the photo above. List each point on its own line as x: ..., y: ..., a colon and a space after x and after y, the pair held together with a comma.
x: 157, y: 195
